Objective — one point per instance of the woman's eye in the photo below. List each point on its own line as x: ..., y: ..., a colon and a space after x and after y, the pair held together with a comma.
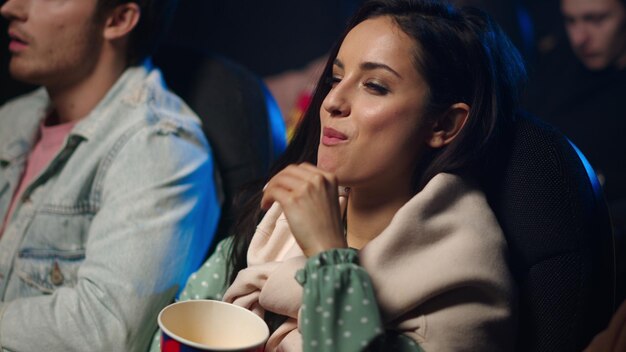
x: 377, y: 88
x: 332, y: 81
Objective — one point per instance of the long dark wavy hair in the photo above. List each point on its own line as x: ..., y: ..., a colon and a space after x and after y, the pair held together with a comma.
x: 463, y: 57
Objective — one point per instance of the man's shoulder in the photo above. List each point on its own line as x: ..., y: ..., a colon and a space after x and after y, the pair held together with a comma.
x: 166, y: 112
x: 140, y: 101
x: 156, y: 102
x: 163, y: 104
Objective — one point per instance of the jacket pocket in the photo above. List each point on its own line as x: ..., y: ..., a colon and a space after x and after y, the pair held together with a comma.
x: 46, y: 270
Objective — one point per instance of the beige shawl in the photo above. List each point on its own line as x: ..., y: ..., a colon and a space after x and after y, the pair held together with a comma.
x: 439, y: 272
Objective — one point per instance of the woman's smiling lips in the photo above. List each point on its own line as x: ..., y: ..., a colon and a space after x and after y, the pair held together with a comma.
x: 332, y: 137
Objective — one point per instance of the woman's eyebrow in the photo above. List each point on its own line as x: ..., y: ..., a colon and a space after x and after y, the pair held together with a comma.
x: 369, y: 66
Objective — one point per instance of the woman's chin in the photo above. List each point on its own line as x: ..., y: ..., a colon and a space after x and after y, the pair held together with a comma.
x: 327, y: 164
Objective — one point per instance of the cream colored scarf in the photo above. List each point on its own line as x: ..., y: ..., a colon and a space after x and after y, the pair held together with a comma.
x: 439, y: 272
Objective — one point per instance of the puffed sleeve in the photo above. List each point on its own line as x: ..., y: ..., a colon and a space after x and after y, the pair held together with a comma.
x: 339, y: 310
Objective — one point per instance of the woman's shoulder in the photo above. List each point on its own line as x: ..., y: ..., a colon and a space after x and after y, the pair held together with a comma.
x: 450, y: 216
x: 448, y: 194
x: 445, y: 186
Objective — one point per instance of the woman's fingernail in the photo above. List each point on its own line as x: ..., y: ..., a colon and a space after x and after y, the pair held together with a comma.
x: 264, y: 187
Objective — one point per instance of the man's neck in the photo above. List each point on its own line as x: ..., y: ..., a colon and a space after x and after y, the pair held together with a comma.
x: 74, y: 101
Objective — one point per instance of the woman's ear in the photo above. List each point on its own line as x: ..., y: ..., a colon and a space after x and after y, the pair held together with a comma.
x: 121, y: 20
x: 448, y: 125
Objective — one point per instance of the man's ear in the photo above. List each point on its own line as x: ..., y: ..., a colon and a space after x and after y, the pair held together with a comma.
x: 121, y: 20
x: 448, y: 125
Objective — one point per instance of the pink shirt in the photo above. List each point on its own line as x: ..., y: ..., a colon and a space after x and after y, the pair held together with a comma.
x: 50, y: 141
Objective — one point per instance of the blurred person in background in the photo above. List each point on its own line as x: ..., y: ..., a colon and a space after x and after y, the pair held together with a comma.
x: 579, y: 86
x: 597, y: 32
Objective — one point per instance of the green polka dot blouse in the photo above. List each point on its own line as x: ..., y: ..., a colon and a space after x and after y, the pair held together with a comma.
x: 339, y: 310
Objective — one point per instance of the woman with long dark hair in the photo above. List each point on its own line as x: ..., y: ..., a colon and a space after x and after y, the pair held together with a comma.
x: 374, y: 233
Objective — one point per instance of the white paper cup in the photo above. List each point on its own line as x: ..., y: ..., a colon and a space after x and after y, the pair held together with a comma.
x: 205, y: 325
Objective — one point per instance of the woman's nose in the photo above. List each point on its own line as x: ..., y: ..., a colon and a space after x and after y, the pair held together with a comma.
x: 336, y: 102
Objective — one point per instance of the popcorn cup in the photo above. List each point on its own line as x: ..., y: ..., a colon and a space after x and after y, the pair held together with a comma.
x: 206, y: 325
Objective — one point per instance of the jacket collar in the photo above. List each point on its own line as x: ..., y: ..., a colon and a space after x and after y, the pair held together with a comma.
x: 25, y: 126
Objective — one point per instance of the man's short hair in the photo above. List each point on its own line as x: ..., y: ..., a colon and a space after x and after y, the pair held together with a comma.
x: 155, y: 18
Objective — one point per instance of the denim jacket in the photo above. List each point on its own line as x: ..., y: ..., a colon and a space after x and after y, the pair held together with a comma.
x: 106, y: 235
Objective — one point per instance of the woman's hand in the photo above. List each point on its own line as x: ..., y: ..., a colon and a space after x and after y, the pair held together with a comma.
x: 310, y: 202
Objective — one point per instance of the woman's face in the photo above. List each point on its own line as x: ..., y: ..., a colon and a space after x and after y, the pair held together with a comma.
x: 372, y: 121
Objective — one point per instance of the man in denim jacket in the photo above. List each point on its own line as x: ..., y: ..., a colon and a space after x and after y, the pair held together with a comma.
x: 105, y: 180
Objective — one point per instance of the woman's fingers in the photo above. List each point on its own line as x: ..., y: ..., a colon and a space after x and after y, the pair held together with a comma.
x: 330, y: 178
x: 284, y: 181
x: 309, y: 199
x: 300, y: 179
